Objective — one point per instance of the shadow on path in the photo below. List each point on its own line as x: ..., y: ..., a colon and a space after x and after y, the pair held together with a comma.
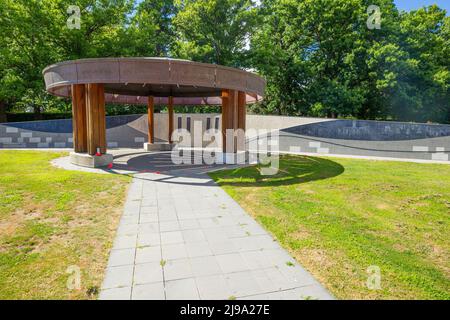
x: 158, y: 166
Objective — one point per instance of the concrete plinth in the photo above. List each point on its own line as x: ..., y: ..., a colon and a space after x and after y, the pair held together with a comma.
x: 158, y: 146
x: 86, y: 160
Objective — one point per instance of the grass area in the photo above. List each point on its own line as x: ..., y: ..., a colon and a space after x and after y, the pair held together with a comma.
x: 51, y: 219
x: 338, y: 217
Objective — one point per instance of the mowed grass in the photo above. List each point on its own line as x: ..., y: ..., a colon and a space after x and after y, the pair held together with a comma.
x: 338, y: 217
x: 53, y: 221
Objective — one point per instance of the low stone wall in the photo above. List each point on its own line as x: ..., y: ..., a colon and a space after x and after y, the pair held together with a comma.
x: 358, y: 137
x: 297, y: 135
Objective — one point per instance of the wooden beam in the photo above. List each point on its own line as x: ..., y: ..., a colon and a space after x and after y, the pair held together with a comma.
x: 79, y: 118
x: 242, y: 113
x: 170, y: 107
x: 242, y: 110
x: 102, y: 118
x: 96, y: 122
x: 225, y: 111
x: 229, y: 116
x: 151, y: 119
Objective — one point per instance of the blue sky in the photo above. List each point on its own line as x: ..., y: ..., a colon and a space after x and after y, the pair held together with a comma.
x: 416, y: 4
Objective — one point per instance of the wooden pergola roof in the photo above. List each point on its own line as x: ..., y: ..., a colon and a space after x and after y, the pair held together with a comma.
x: 132, y: 80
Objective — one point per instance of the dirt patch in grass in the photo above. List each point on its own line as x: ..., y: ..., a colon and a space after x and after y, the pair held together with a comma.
x: 54, y: 221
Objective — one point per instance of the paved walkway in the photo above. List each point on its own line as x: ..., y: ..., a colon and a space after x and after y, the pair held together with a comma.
x: 182, y: 237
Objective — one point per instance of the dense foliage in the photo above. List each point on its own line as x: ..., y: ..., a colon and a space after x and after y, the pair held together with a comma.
x: 318, y: 56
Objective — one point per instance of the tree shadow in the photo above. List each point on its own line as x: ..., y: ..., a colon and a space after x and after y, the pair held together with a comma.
x: 292, y: 170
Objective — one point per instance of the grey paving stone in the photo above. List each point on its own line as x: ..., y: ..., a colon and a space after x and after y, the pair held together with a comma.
x: 264, y: 282
x: 232, y: 262
x: 148, y: 239
x: 145, y: 218
x: 184, y: 289
x: 126, y: 230
x: 172, y: 216
x: 184, y: 215
x: 166, y: 226
x: 205, y: 266
x: 150, y: 291
x: 209, y: 222
x: 123, y: 293
x: 148, y: 254
x: 148, y: 273
x: 152, y: 227
x: 265, y: 296
x: 213, y: 288
x: 198, y: 249
x: 121, y: 257
x: 177, y: 269
x: 191, y: 236
x: 242, y: 284
x: 124, y: 242
x: 236, y: 232
x: 189, y: 224
x: 165, y: 209
x: 118, y: 277
x: 280, y: 281
x: 132, y: 207
x: 223, y: 247
x: 254, y: 229
x: 256, y: 259
x: 174, y: 251
x: 277, y: 256
x: 296, y: 274
x: 149, y: 202
x: 252, y: 243
x: 313, y: 292
x: 149, y: 210
x: 171, y: 237
x: 215, y: 235
x: 129, y: 220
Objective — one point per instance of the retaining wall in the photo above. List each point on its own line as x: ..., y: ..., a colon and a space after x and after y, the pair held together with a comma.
x: 311, y: 135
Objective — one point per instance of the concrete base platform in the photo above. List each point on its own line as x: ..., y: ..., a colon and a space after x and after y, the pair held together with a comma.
x: 158, y: 146
x: 233, y: 158
x: 86, y: 160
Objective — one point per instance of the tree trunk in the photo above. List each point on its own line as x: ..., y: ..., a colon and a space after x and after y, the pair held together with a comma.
x: 3, y: 112
x: 37, y: 113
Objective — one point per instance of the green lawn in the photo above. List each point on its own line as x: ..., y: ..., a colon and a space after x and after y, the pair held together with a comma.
x: 337, y: 217
x: 51, y: 219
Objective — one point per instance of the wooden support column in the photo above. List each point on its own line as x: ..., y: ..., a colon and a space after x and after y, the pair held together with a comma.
x: 79, y: 118
x: 170, y: 107
x: 225, y: 111
x: 229, y: 117
x: 151, y: 119
x: 96, y: 121
x: 242, y: 110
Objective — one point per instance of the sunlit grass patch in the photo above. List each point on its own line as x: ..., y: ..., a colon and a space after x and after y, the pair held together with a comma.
x: 51, y: 219
x: 338, y: 217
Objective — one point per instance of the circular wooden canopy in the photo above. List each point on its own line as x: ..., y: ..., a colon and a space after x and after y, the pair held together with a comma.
x: 132, y: 80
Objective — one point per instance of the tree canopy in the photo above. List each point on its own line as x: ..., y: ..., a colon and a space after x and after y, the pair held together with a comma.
x: 319, y: 56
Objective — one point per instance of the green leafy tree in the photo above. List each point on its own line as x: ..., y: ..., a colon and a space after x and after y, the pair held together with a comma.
x: 36, y: 34
x: 320, y: 59
x: 213, y: 31
x: 150, y: 32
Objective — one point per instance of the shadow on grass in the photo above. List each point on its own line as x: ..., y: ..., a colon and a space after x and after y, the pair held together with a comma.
x: 292, y: 170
